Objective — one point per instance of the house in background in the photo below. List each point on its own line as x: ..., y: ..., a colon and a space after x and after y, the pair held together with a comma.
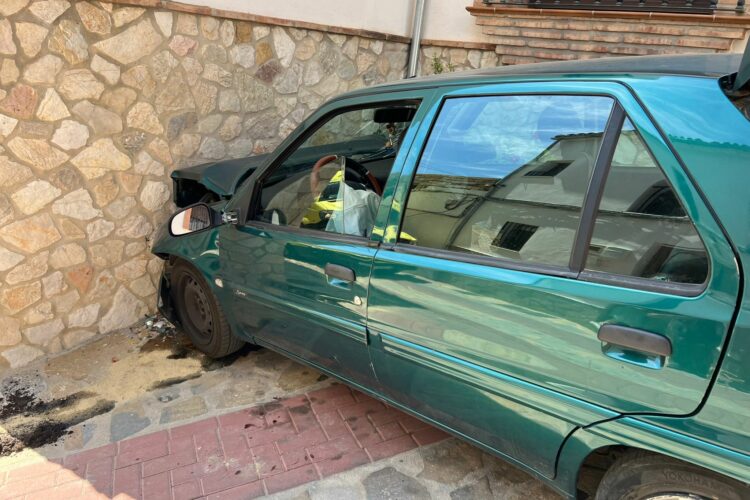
x: 543, y: 30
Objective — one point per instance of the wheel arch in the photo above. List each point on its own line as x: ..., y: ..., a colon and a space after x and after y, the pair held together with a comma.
x: 599, y: 446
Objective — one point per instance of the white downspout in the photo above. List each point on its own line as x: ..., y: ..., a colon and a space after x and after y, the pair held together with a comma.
x: 416, y: 38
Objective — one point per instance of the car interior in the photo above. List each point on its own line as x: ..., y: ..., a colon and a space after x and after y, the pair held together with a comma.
x: 356, y: 147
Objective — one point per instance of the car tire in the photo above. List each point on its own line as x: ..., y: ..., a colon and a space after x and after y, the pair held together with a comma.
x: 641, y: 475
x: 200, y: 314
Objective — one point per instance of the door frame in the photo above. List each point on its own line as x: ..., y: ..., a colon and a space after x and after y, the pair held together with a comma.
x: 626, y: 106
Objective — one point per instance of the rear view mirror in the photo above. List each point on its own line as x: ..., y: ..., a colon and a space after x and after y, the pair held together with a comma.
x: 394, y: 115
x: 192, y: 219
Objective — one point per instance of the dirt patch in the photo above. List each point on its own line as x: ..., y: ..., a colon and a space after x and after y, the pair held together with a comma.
x: 37, y: 407
x: 28, y: 420
x: 173, y: 381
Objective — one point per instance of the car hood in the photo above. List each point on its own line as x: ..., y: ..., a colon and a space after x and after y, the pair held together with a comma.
x: 221, y: 177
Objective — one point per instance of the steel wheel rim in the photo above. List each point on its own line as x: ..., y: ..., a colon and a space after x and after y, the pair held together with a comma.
x: 197, y: 308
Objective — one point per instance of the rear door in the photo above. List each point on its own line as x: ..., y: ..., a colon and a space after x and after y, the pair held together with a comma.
x: 559, y: 269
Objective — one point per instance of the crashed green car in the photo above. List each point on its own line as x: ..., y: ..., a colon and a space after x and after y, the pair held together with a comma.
x: 546, y: 261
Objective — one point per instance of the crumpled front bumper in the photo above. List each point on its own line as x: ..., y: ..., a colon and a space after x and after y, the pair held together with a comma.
x: 165, y: 303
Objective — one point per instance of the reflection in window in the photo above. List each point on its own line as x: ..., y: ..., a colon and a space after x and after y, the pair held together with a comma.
x: 641, y: 229
x: 505, y: 176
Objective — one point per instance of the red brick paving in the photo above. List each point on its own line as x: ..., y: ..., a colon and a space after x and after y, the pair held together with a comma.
x: 257, y: 451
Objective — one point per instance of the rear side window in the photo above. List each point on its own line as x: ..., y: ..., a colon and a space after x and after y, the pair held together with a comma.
x: 641, y: 229
x: 506, y: 176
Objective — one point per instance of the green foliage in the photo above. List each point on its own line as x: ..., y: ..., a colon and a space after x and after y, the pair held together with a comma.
x: 438, y: 67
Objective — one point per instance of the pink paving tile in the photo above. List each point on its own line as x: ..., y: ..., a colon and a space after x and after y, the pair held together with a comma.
x: 245, y: 491
x: 242, y: 454
x: 390, y: 430
x: 187, y: 491
x: 295, y: 458
x: 128, y: 481
x: 267, y: 460
x: 157, y: 487
x: 33, y: 470
x: 304, y: 439
x: 25, y: 486
x: 411, y: 424
x: 78, y: 461
x: 303, y: 418
x: 335, y: 448
x: 196, y: 471
x: 66, y: 476
x: 333, y: 391
x: 228, y: 478
x: 207, y: 446
x: 100, y: 475
x: 364, y: 431
x: 181, y: 444
x: 276, y: 414
x: 361, y: 410
x: 66, y: 491
x: 333, y: 425
x: 137, y: 455
x: 294, y: 401
x: 269, y: 435
x: 169, y: 462
x: 384, y: 417
x: 429, y: 435
x: 154, y: 440
x: 243, y: 420
x: 195, y: 428
x: 291, y: 478
x: 342, y: 463
x: 393, y: 447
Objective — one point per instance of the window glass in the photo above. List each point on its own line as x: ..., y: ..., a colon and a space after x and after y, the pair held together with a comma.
x: 641, y: 229
x: 332, y: 181
x: 505, y: 176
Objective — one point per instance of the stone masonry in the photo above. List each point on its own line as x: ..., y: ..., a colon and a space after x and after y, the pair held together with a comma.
x: 99, y: 102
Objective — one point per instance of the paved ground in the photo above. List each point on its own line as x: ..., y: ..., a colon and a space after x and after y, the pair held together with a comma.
x: 140, y: 415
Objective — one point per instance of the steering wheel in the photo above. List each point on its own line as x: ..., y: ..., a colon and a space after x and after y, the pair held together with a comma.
x: 359, y: 170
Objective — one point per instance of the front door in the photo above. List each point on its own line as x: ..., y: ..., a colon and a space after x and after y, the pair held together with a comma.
x: 297, y: 270
x: 557, y: 271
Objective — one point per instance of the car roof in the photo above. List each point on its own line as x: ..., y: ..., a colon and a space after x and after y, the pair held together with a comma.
x: 694, y: 65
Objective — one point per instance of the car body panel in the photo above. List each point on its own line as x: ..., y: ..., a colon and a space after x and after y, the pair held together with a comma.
x: 511, y: 402
x: 705, y: 150
x: 283, y: 295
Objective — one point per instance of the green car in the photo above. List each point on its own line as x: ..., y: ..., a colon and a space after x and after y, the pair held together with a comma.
x: 546, y: 261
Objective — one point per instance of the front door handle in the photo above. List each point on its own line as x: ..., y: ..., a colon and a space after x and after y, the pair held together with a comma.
x: 637, y: 340
x: 340, y: 273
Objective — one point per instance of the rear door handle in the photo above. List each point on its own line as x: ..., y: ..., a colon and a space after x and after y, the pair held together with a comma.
x: 638, y: 340
x: 340, y: 273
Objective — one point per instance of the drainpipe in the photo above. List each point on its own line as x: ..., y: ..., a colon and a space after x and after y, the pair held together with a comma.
x: 416, y: 38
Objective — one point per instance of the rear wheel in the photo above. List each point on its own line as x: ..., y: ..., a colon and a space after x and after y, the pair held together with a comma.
x: 200, y: 313
x: 642, y: 475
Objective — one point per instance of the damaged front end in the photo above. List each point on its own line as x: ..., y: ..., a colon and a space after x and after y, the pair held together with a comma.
x: 212, y: 182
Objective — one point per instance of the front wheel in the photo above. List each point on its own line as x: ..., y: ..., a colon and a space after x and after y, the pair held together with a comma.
x: 200, y: 313
x: 642, y: 475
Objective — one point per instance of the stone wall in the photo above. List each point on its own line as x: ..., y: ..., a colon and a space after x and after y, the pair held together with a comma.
x: 98, y: 103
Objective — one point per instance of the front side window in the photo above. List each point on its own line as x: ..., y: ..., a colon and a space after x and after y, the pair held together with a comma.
x: 506, y: 176
x: 333, y: 181
x: 642, y: 229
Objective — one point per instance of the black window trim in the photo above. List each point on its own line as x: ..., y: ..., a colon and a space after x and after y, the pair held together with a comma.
x: 254, y: 201
x: 594, y: 193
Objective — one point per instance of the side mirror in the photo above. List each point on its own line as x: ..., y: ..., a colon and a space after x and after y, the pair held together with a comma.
x: 192, y: 219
